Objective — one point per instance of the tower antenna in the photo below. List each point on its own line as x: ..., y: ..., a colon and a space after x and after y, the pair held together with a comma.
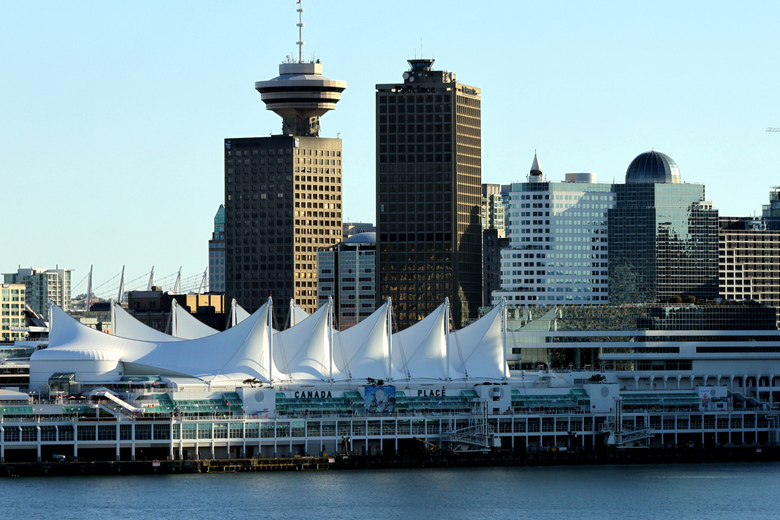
x: 300, y: 32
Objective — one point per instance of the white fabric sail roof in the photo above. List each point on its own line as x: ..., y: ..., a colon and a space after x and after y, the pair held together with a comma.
x: 297, y: 313
x: 126, y: 325
x: 477, y: 351
x: 303, y: 352
x: 209, y: 357
x: 222, y: 355
x: 237, y: 313
x: 420, y: 351
x: 310, y: 351
x: 363, y: 350
x: 254, y: 356
x: 187, y: 326
x: 241, y: 314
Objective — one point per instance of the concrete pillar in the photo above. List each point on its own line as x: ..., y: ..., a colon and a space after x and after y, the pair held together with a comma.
x: 636, y: 382
x: 38, y: 438
x: 666, y: 380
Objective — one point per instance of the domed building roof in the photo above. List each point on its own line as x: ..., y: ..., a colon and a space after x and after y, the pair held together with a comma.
x: 369, y: 237
x: 651, y: 167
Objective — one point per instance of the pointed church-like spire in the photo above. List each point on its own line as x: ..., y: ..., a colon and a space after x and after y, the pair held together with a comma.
x: 536, y: 174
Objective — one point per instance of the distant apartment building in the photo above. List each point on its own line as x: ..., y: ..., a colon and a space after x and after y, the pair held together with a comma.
x: 493, y: 240
x: 346, y: 272
x: 217, y: 253
x: 493, y: 209
x: 43, y: 285
x: 749, y: 261
x: 771, y: 211
x: 12, y: 301
x: 492, y: 245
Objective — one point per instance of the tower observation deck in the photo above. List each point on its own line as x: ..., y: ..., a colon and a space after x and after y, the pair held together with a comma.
x: 300, y: 95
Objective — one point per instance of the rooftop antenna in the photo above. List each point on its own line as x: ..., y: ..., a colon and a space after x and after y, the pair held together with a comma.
x: 300, y: 32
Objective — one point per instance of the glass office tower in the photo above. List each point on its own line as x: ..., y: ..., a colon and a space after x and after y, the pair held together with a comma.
x: 663, y: 235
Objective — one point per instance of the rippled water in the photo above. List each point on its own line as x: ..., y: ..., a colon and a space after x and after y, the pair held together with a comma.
x: 707, y: 491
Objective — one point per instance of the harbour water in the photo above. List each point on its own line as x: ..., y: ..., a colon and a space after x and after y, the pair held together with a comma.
x: 707, y: 491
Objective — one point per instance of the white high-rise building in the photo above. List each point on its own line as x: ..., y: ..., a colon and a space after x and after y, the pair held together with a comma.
x: 558, y: 246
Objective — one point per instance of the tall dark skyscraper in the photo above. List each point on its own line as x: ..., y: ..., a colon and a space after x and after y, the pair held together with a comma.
x: 428, y: 193
x: 283, y: 193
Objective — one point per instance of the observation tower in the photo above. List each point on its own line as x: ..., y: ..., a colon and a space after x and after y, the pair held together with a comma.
x: 300, y: 95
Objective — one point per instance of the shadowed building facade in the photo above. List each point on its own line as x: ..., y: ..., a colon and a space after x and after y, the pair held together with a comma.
x: 429, y: 244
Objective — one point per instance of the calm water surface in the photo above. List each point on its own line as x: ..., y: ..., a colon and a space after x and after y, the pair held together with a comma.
x: 707, y: 491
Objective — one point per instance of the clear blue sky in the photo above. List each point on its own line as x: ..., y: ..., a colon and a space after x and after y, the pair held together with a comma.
x: 113, y: 114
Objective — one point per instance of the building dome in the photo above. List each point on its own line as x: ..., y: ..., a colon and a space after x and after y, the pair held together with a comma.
x: 651, y: 167
x: 369, y: 237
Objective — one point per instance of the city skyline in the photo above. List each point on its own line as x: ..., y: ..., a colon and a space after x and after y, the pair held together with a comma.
x: 115, y: 115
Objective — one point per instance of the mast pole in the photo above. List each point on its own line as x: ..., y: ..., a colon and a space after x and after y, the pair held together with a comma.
x: 447, y: 334
x: 389, y: 338
x: 330, y: 336
x: 121, y: 286
x: 269, y: 321
x: 300, y: 32
x: 503, y: 316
